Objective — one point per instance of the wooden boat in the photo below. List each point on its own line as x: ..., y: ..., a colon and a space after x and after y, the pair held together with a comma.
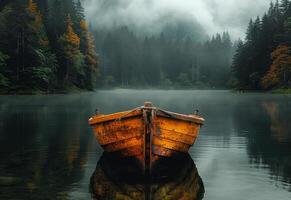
x: 146, y: 133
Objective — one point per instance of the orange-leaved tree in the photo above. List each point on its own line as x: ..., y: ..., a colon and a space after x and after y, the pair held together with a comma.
x: 33, y: 10
x: 279, y: 74
x: 83, y: 25
x: 32, y: 7
x: 91, y: 58
x: 71, y: 48
x: 70, y: 36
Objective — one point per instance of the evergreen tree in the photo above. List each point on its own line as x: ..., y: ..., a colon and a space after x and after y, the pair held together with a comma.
x: 287, y: 31
x: 40, y: 50
x: 43, y: 7
x: 265, y: 51
x: 80, y: 21
x: 4, y: 81
x: 39, y: 73
x: 284, y: 7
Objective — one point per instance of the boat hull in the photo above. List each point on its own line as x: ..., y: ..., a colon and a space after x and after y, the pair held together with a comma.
x: 146, y: 134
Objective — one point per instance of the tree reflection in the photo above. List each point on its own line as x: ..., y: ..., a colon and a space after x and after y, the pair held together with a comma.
x: 116, y: 178
x: 269, y: 138
x: 43, y: 151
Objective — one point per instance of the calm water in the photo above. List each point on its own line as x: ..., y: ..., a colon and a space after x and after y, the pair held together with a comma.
x: 243, y: 152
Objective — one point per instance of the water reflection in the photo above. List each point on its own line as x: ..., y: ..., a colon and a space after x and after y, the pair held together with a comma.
x: 172, y: 179
x: 43, y: 149
x: 48, y: 151
x: 269, y: 138
x: 280, y: 125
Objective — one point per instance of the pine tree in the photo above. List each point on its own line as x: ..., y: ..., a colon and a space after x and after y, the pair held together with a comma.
x: 287, y: 31
x: 4, y: 81
x: 238, y: 67
x: 39, y: 47
x: 80, y: 10
x: 43, y: 7
x: 284, y: 6
x: 91, y: 61
x: 40, y: 73
x: 56, y: 21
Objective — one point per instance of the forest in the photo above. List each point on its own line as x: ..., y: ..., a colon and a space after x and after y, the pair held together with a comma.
x: 170, y: 59
x: 173, y: 51
x: 45, y: 46
x: 49, y: 46
x: 263, y: 60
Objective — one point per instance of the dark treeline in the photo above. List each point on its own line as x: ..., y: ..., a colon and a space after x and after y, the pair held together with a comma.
x: 263, y: 60
x: 45, y: 45
x: 171, y: 59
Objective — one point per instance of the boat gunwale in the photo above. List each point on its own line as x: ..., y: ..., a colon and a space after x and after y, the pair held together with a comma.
x: 97, y: 119
x: 172, y: 115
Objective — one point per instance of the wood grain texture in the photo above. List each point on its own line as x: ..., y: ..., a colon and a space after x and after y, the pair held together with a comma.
x: 115, y: 131
x: 146, y: 133
x: 123, y: 144
x: 179, y: 126
x: 170, y: 144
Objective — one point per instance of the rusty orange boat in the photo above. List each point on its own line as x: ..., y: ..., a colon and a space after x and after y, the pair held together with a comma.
x: 146, y: 133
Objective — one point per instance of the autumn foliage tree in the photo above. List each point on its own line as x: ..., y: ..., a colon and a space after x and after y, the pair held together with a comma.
x: 279, y: 74
x: 78, y: 56
x: 88, y: 49
x: 263, y: 59
x: 40, y: 46
x: 41, y: 72
x: 71, y: 49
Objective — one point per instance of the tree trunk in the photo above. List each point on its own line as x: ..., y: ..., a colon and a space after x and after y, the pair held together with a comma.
x: 67, y: 71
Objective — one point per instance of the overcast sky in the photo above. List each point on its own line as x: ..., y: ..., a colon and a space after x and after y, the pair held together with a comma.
x: 213, y: 15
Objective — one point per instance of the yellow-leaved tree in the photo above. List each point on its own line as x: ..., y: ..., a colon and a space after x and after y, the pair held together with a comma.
x: 70, y: 36
x: 33, y: 10
x: 71, y: 47
x: 91, y: 58
x: 32, y: 7
x: 83, y: 25
x: 279, y: 74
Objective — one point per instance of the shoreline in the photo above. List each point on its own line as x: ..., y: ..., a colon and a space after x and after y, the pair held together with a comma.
x: 78, y: 90
x: 41, y: 92
x: 274, y: 91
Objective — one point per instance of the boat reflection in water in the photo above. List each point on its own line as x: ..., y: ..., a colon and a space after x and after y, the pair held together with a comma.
x: 122, y: 179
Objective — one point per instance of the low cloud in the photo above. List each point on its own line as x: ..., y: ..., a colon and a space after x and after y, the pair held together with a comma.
x: 152, y: 15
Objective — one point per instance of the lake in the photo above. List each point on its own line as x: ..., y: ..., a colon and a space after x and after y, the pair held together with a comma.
x: 48, y: 150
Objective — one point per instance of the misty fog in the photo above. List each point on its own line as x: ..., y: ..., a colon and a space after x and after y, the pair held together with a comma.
x: 214, y: 16
x: 168, y: 43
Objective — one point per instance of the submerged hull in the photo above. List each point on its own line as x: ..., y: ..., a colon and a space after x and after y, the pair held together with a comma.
x: 146, y: 133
